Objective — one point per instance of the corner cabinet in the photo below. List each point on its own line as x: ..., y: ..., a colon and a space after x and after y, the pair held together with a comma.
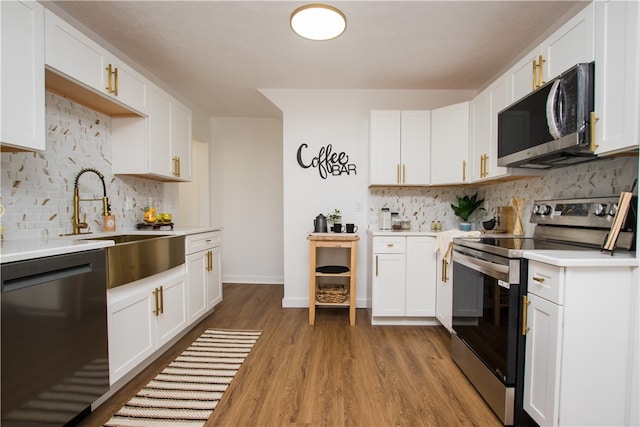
x: 142, y: 317
x: 403, y: 288
x: 204, y: 286
x: 400, y: 147
x: 82, y: 61
x: 22, y: 70
x: 157, y: 146
x: 579, y: 345
x: 450, y: 144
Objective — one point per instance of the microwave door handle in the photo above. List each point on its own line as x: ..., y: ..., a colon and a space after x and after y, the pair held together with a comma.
x: 552, y: 118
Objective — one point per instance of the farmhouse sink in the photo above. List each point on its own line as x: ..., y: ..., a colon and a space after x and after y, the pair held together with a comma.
x: 136, y: 256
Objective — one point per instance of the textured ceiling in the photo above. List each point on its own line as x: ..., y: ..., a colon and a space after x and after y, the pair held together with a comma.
x: 216, y: 54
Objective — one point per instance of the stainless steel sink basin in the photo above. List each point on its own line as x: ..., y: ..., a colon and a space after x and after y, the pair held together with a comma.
x: 136, y: 256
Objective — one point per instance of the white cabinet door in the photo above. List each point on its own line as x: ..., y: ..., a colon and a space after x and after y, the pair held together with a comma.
x: 480, y: 110
x: 450, y: 144
x: 415, y: 143
x: 618, y: 76
x: 444, y: 292
x: 196, y: 285
x: 159, y: 143
x: 384, y: 149
x: 542, y: 361
x: 573, y: 43
x: 129, y: 86
x: 389, y: 277
x: 173, y: 316
x: 214, y: 279
x: 181, y: 141
x: 522, y: 78
x: 132, y: 332
x: 73, y: 54
x: 22, y: 84
x: 421, y: 277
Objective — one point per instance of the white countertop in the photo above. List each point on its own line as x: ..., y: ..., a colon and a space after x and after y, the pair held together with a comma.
x: 22, y: 249
x: 593, y: 258
x: 402, y: 233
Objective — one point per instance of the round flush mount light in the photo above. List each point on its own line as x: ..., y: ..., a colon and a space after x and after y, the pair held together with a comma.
x: 318, y: 22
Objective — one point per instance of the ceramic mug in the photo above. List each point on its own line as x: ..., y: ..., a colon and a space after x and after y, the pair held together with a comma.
x: 337, y: 228
x: 352, y: 228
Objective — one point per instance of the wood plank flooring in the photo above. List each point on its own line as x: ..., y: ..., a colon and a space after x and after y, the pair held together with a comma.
x: 329, y: 374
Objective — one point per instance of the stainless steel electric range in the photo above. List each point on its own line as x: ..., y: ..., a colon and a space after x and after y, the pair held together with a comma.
x: 489, y: 281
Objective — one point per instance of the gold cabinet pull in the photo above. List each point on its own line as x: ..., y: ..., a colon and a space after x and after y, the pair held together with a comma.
x: 533, y: 75
x: 156, y: 311
x: 541, y: 61
x: 176, y: 166
x: 445, y: 264
x: 389, y: 245
x: 404, y: 173
x: 209, y: 261
x: 115, y: 85
x: 109, y: 87
x: 539, y: 280
x: 592, y: 144
x: 525, y: 305
x: 376, y: 265
x: 161, y: 300
x: 464, y: 170
x: 398, y: 173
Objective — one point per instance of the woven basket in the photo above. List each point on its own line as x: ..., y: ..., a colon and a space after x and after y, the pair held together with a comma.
x: 335, y: 294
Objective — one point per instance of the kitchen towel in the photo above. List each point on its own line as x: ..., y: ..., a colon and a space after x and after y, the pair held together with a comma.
x: 444, y: 241
x: 187, y: 391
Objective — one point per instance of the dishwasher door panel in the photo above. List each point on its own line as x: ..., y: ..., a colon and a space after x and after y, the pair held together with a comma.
x: 54, y: 337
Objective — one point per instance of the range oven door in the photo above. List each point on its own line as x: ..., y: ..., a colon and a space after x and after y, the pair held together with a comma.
x: 486, y: 310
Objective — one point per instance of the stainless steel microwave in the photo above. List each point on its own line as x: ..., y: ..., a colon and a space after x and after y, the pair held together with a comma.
x: 551, y: 126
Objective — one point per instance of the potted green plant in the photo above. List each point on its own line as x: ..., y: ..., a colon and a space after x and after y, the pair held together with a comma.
x: 466, y: 206
x: 334, y: 217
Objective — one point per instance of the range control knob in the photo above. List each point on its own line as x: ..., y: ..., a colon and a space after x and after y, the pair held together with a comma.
x: 544, y: 209
x: 600, y: 209
x: 613, y: 209
x: 536, y: 210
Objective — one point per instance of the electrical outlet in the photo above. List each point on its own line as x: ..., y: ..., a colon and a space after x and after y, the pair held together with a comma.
x: 358, y: 206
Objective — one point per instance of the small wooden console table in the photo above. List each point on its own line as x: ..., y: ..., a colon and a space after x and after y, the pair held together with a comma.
x: 333, y: 240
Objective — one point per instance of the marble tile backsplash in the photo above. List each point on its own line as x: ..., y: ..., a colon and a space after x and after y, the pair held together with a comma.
x: 422, y: 204
x: 37, y: 188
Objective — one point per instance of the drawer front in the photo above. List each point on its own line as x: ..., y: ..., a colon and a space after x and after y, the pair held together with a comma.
x: 202, y: 241
x: 546, y: 281
x: 389, y: 245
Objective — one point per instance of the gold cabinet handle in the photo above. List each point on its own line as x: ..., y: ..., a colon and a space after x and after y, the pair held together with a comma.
x: 115, y: 78
x: 376, y: 265
x: 445, y: 264
x: 592, y: 144
x: 525, y: 304
x: 209, y: 261
x: 161, y: 300
x: 176, y: 166
x: 389, y: 245
x: 464, y: 170
x: 155, y: 293
x: 539, y: 280
x: 179, y: 171
x: 398, y: 173
x: 541, y: 61
x: 533, y: 75
x: 404, y: 173
x: 109, y: 87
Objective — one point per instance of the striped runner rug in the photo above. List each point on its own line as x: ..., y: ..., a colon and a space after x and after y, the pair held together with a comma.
x: 187, y: 391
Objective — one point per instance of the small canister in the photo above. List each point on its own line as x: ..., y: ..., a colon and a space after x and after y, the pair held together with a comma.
x: 384, y: 221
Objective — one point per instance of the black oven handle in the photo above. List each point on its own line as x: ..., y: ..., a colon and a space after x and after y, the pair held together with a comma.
x: 495, y: 270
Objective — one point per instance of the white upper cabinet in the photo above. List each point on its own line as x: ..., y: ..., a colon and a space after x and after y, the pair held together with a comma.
x: 617, y: 76
x: 571, y: 44
x: 450, y: 144
x: 22, y: 121
x: 157, y: 146
x: 400, y: 147
x: 72, y: 54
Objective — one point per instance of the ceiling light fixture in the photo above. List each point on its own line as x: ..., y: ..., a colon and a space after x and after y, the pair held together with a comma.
x: 318, y: 22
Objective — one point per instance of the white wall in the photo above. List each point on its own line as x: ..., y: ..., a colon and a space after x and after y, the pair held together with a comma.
x: 340, y: 118
x: 246, y: 170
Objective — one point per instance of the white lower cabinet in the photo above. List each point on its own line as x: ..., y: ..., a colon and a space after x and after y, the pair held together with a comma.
x: 579, y: 345
x: 143, y: 316
x: 203, y: 272
x: 444, y: 291
x: 403, y: 280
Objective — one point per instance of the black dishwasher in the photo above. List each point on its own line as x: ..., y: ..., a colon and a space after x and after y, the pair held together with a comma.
x: 54, y: 338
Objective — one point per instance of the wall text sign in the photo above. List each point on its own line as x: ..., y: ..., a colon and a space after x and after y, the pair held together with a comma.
x: 327, y: 162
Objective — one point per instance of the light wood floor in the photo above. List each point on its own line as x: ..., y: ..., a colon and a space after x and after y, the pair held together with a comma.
x: 330, y: 374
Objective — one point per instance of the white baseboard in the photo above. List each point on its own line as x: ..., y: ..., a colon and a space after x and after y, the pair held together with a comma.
x: 254, y: 280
